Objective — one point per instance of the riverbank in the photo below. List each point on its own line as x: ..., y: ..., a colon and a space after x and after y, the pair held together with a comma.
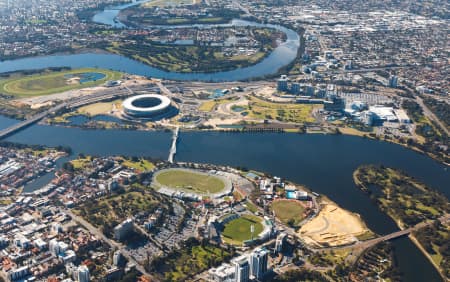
x: 408, y: 202
x: 297, y: 129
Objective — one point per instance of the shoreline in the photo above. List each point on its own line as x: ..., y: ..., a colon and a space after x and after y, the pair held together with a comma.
x: 427, y: 255
x: 264, y: 130
x: 401, y: 226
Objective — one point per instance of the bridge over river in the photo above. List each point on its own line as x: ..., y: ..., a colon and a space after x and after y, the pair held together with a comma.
x: 70, y: 104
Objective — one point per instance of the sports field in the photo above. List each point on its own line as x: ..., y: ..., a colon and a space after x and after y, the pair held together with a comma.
x: 190, y: 181
x: 238, y: 230
x: 289, y: 211
x: 55, y: 82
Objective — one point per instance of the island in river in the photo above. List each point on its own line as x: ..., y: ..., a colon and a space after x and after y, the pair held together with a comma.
x: 409, y: 202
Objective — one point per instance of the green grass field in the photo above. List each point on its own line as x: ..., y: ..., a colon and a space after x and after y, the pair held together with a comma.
x: 298, y: 113
x: 190, y: 181
x: 289, y: 212
x: 238, y: 230
x: 52, y: 82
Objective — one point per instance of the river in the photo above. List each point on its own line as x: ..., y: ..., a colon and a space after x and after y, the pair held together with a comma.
x: 281, y: 56
x: 324, y: 163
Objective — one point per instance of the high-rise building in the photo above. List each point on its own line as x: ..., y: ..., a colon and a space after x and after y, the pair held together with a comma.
x: 393, y: 81
x: 282, y: 83
x: 258, y: 261
x: 242, y: 268
x: 279, y: 242
x: 83, y: 273
x: 295, y: 88
x: 123, y: 229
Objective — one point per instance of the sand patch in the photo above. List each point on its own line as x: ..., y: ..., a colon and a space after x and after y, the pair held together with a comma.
x: 333, y: 226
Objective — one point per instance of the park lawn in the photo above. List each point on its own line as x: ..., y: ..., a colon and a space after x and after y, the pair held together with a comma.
x: 209, y: 106
x: 297, y: 113
x: 177, y: 21
x: 190, y: 181
x: 141, y: 165
x: 288, y: 211
x: 238, y: 230
x: 80, y: 162
x: 51, y: 82
x: 211, y: 20
x: 99, y: 108
x: 251, y: 207
x: 189, y: 261
x: 116, y: 208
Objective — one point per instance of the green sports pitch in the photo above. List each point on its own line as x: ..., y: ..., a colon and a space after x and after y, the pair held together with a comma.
x: 239, y: 230
x: 50, y: 82
x: 190, y: 181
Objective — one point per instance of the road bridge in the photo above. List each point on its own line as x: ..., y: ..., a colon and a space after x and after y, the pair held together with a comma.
x: 70, y: 104
x: 370, y: 243
x: 173, y: 148
x: 21, y: 125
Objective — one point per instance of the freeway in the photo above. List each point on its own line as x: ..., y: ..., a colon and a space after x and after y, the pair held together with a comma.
x: 16, y: 127
x: 427, y: 112
x: 70, y: 104
x: 111, y: 243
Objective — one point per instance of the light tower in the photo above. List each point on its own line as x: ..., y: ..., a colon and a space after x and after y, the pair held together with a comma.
x: 252, y: 230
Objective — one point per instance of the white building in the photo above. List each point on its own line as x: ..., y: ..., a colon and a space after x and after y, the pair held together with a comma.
x: 223, y: 273
x: 280, y: 242
x: 242, y: 268
x: 123, y: 229
x: 258, y: 261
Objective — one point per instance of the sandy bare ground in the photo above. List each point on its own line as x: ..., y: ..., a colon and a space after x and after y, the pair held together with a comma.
x: 218, y: 121
x: 333, y: 226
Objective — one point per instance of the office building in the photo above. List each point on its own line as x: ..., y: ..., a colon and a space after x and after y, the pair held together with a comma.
x: 282, y: 83
x: 83, y: 273
x: 258, y: 261
x: 393, y: 81
x: 242, y: 268
x: 279, y: 243
x: 295, y: 88
x: 123, y: 229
